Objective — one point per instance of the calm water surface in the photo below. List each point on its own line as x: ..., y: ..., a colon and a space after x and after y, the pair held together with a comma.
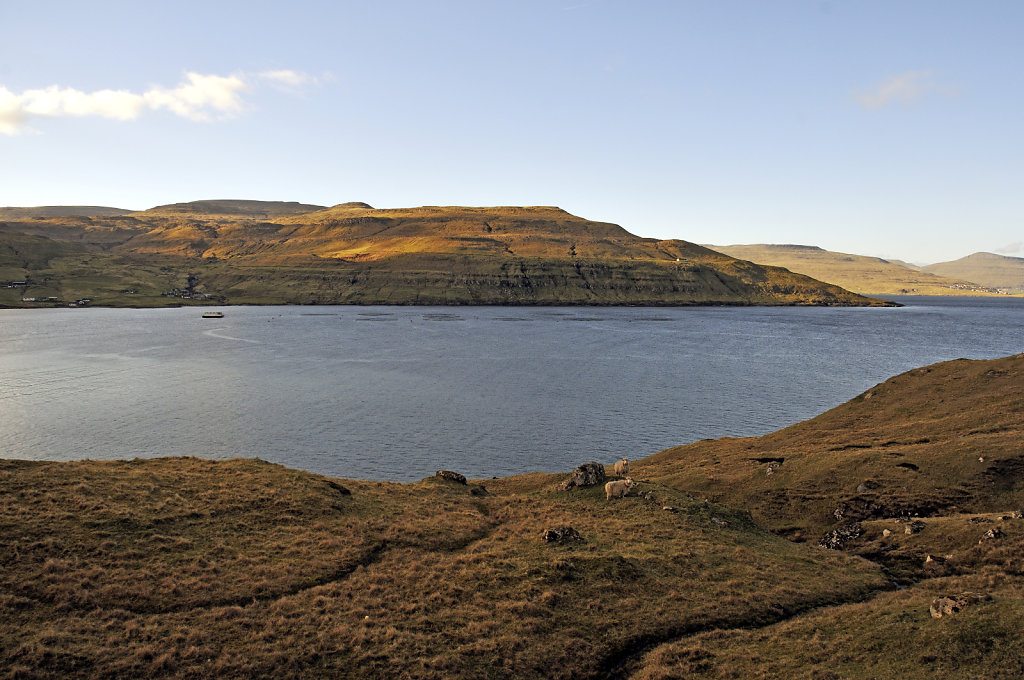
x: 397, y: 393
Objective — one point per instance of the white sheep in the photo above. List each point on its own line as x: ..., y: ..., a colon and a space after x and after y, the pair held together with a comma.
x: 618, y: 489
x: 622, y: 467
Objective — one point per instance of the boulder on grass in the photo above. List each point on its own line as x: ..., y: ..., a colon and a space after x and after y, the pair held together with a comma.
x: 588, y: 474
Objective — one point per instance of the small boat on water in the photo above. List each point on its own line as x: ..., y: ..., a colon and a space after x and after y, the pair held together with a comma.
x: 213, y: 315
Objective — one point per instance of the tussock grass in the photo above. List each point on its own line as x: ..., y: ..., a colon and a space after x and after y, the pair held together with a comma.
x: 192, y: 568
x: 185, y: 568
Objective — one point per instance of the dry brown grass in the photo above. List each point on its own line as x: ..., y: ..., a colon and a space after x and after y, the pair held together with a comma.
x: 185, y: 568
x: 190, y: 568
x: 913, y: 442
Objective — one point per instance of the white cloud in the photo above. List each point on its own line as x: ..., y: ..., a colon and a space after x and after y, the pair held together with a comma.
x: 1011, y: 248
x: 904, y: 89
x: 199, y: 97
x: 289, y: 77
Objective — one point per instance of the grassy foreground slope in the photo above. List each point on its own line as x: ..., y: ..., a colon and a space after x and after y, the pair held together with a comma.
x: 936, y: 440
x: 924, y: 475
x: 858, y: 273
x: 245, y: 252
x: 183, y: 568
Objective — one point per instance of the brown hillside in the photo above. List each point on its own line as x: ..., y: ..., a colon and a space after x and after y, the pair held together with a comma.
x: 858, y: 273
x: 937, y: 440
x: 987, y: 269
x: 238, y: 208
x: 355, y: 254
x: 183, y: 568
x: 12, y: 213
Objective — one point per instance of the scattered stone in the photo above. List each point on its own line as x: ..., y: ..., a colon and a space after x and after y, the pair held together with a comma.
x: 946, y: 606
x: 841, y: 535
x: 562, y: 534
x: 451, y: 476
x: 981, y: 459
x: 1016, y: 514
x: 886, y: 533
x: 992, y: 534
x: 771, y: 468
x: 719, y: 521
x: 839, y: 512
x: 588, y: 474
x: 669, y: 508
x: 978, y: 520
x: 914, y: 527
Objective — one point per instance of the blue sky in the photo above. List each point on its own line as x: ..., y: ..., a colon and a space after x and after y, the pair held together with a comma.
x: 883, y: 128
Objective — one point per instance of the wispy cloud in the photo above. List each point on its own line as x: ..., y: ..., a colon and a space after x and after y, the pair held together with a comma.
x: 198, y: 97
x: 902, y: 89
x: 1011, y: 248
x: 289, y: 77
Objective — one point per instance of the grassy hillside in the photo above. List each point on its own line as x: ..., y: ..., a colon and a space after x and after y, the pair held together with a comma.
x: 987, y: 269
x: 261, y: 209
x: 185, y: 568
x: 858, y: 273
x: 11, y: 213
x: 935, y: 440
x: 257, y: 252
x: 923, y: 475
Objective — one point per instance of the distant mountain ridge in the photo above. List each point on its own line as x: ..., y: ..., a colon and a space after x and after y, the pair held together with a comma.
x: 351, y: 253
x: 987, y: 269
x: 13, y: 213
x: 263, y: 209
x: 858, y: 273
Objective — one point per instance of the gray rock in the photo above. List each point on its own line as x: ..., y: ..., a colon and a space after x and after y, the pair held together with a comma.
x: 588, y: 474
x: 945, y: 606
x: 562, y: 534
x: 992, y: 534
x: 838, y: 537
x: 914, y: 527
x: 451, y: 476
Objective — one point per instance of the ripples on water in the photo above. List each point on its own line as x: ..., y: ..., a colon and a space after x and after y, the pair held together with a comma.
x: 482, y: 390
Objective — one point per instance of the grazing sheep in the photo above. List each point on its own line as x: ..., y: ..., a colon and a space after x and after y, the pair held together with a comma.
x: 622, y: 467
x: 618, y: 489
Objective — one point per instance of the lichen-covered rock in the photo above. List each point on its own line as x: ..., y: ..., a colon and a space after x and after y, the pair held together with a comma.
x: 992, y: 534
x: 945, y: 606
x: 451, y: 476
x: 561, y: 534
x: 838, y: 537
x: 914, y: 527
x: 588, y: 474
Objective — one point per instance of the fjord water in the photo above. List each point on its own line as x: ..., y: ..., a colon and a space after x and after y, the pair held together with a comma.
x: 397, y: 393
